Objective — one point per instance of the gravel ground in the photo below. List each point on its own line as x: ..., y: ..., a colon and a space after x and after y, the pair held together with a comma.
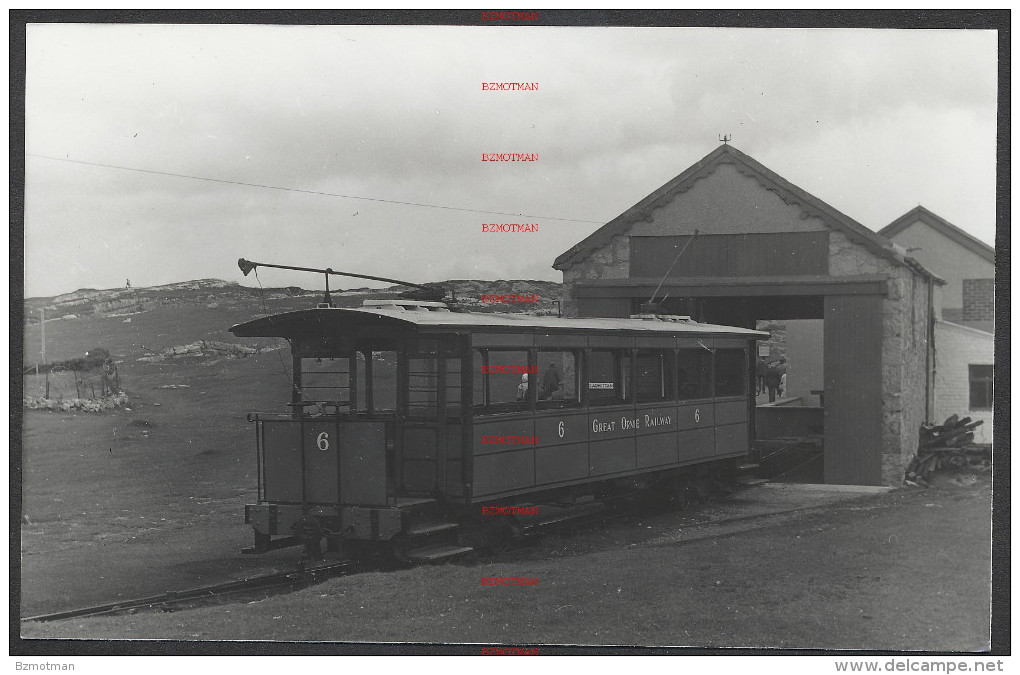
x: 902, y: 570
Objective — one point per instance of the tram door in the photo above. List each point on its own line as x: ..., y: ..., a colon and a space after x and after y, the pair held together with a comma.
x: 423, y: 435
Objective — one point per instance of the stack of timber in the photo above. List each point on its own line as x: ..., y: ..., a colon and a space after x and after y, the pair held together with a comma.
x: 947, y: 445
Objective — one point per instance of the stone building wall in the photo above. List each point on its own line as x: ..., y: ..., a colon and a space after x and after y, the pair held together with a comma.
x: 611, y: 261
x: 904, y: 341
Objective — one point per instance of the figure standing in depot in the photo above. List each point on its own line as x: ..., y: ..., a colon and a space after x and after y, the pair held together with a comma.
x: 552, y: 383
x: 775, y: 378
x: 760, y: 369
x: 522, y: 388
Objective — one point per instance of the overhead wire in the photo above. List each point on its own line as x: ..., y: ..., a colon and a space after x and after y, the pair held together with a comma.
x: 320, y: 193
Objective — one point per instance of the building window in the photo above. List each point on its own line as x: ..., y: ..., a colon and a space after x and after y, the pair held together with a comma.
x: 980, y: 387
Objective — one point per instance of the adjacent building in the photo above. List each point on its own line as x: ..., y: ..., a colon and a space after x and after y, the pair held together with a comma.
x: 964, y: 340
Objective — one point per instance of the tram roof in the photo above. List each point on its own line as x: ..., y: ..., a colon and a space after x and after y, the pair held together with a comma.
x: 317, y: 320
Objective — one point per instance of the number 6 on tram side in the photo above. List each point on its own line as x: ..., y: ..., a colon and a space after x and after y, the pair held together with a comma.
x: 406, y: 418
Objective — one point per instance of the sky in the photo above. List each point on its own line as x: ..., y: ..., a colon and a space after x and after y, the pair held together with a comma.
x: 873, y: 122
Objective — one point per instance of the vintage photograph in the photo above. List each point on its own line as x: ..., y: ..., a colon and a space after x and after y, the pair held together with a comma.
x: 507, y: 337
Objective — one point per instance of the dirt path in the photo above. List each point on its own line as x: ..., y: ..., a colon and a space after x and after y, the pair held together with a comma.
x: 903, y: 570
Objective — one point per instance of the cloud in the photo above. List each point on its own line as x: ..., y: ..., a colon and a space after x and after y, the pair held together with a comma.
x: 397, y: 112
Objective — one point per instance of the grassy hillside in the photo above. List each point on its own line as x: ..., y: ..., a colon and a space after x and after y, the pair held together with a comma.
x: 134, y: 322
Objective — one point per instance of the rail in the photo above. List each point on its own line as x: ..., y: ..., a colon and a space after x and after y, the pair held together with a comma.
x: 301, y: 577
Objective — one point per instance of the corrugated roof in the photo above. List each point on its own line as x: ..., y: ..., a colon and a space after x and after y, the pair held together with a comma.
x: 790, y: 193
x: 335, y: 318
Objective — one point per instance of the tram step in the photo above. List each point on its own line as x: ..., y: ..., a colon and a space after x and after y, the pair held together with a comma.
x: 434, y: 553
x: 413, y: 502
x: 423, y: 529
x: 748, y: 481
x: 746, y: 467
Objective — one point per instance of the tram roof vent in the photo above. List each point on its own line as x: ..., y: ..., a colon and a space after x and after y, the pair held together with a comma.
x: 674, y: 318
x: 407, y: 305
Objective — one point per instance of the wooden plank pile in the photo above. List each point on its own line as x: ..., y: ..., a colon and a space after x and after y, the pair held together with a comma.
x: 947, y: 445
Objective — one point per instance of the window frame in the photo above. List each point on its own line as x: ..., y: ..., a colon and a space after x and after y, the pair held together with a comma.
x: 667, y: 375
x: 987, y: 381
x: 709, y: 384
x: 744, y: 373
x: 480, y: 356
x: 579, y: 380
x: 623, y: 374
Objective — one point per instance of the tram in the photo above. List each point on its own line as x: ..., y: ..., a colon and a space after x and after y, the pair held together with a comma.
x: 407, y: 418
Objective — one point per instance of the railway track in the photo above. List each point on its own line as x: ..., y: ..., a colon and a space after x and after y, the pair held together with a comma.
x: 174, y: 600
x: 306, y: 575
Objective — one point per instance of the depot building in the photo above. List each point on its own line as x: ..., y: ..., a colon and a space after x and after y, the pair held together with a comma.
x: 858, y: 312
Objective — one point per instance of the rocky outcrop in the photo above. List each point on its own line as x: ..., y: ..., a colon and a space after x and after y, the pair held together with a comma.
x: 93, y: 405
x: 202, y: 348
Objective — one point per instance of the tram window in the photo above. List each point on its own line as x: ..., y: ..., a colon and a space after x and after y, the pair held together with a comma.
x: 608, y: 372
x: 453, y: 387
x: 694, y: 374
x: 359, y: 360
x: 499, y: 383
x: 654, y: 375
x: 730, y: 372
x: 384, y: 381
x: 557, y: 386
x: 422, y: 388
x: 326, y: 380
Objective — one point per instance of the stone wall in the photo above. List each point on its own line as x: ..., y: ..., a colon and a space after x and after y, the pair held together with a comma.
x: 904, y: 345
x: 611, y: 261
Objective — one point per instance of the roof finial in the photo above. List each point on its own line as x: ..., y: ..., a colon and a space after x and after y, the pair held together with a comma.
x: 725, y: 138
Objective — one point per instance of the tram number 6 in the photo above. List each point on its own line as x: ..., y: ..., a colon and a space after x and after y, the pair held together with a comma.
x: 559, y: 429
x: 697, y: 415
x: 323, y: 441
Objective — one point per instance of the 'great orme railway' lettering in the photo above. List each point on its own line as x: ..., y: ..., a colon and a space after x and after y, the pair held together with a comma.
x: 509, y: 581
x: 509, y: 86
x: 509, y: 157
x: 509, y: 227
x: 625, y: 423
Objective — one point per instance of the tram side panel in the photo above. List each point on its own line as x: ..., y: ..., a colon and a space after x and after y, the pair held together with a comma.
x: 578, y: 445
x: 561, y: 454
